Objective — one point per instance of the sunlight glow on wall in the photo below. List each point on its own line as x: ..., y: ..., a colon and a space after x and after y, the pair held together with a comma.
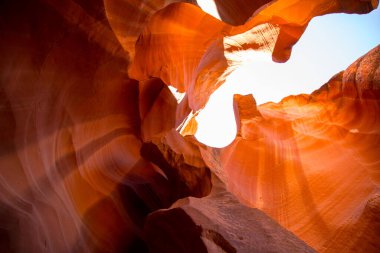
x: 209, y: 7
x: 330, y: 44
x: 216, y: 123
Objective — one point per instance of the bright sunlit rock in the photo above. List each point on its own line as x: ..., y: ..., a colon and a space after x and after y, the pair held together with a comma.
x: 216, y: 123
x: 311, y: 65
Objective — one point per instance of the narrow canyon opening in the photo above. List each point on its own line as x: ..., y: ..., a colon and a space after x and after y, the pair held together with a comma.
x: 144, y: 126
x: 329, y: 45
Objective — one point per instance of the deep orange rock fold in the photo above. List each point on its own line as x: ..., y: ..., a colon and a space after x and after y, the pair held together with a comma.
x: 98, y: 153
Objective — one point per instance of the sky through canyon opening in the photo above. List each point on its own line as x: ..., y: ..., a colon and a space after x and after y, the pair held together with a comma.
x: 329, y: 45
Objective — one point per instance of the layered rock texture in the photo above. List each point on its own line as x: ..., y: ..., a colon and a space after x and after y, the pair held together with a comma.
x: 97, y: 149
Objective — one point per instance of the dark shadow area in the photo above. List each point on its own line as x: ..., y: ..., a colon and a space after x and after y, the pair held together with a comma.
x: 145, y: 189
x: 173, y: 231
x: 9, y: 229
x: 186, y: 180
x: 110, y: 229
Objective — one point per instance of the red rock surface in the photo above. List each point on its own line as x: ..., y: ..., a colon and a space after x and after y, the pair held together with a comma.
x: 95, y: 148
x: 217, y: 223
x: 311, y: 162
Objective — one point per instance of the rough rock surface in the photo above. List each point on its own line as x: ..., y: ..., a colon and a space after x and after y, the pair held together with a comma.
x: 217, y: 223
x: 311, y: 162
x: 95, y: 145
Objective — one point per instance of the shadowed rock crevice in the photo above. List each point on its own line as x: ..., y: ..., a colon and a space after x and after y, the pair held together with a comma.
x: 217, y: 223
x: 94, y: 161
x: 173, y: 231
x: 186, y: 180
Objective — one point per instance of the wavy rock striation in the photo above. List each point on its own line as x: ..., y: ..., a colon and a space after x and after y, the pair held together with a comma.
x: 217, y: 223
x: 311, y: 161
x: 98, y: 106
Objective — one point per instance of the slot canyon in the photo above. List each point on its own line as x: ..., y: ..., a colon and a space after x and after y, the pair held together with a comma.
x: 101, y: 108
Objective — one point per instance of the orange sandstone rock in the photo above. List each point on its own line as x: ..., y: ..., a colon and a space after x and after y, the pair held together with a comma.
x: 90, y: 158
x: 311, y: 161
x: 217, y: 223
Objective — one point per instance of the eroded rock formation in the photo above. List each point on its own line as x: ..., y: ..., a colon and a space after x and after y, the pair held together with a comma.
x: 323, y: 158
x: 98, y: 155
